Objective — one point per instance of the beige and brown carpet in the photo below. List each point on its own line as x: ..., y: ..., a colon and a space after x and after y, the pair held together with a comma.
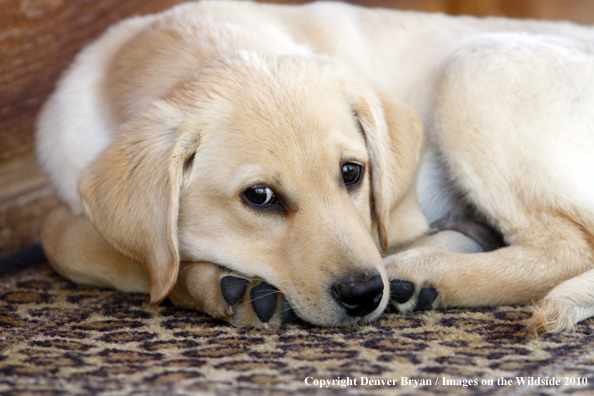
x: 58, y: 338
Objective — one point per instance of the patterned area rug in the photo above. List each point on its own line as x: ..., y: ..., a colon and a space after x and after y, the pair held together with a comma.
x: 58, y: 338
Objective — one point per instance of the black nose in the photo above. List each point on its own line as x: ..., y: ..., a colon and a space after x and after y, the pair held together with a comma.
x: 359, y: 295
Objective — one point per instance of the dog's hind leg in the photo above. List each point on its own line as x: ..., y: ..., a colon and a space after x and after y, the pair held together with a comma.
x: 514, y: 124
x: 78, y: 253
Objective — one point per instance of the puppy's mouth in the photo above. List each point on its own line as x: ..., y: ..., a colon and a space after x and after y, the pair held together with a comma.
x: 354, y: 298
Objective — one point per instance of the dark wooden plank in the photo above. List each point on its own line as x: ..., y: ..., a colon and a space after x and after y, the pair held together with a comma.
x: 25, y: 199
x: 38, y: 39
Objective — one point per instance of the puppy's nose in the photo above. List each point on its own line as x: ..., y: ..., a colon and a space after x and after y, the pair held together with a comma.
x: 359, y: 295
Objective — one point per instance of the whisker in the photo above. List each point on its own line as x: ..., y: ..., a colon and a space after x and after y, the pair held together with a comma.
x: 254, y: 299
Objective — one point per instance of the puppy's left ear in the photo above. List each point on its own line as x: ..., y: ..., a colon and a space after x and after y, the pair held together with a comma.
x: 131, y: 194
x: 394, y: 136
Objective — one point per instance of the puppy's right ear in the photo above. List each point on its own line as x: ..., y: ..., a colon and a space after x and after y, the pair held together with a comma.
x: 131, y: 192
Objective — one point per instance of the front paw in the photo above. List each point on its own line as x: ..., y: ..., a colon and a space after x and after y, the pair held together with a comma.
x: 254, y: 304
x: 238, y: 300
x: 410, y: 287
x: 404, y: 298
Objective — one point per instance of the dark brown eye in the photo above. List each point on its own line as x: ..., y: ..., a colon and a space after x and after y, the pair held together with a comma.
x: 260, y: 196
x: 351, y: 174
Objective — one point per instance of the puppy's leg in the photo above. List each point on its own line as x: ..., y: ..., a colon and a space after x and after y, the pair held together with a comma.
x: 78, y: 253
x: 233, y: 298
x: 570, y: 302
x: 518, y: 274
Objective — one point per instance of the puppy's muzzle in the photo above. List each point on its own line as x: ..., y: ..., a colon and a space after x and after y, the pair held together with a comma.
x: 360, y: 294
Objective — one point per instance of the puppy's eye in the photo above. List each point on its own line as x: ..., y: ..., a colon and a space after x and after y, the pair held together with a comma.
x: 351, y: 174
x: 260, y: 196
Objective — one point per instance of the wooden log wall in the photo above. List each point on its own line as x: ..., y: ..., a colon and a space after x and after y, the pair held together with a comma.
x: 39, y: 38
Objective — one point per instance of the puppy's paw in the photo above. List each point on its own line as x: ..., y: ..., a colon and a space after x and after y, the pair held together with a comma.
x: 404, y: 298
x: 410, y: 286
x: 254, y: 303
x: 236, y: 299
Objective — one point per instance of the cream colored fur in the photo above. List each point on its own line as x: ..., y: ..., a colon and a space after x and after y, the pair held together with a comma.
x: 165, y: 120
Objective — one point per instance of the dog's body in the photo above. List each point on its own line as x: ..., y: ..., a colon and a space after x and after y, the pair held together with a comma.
x: 270, y: 142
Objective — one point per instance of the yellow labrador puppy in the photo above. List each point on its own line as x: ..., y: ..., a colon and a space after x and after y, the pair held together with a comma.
x: 253, y: 161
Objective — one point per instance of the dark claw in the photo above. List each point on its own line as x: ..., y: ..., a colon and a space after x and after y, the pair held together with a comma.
x: 264, y: 300
x: 233, y: 288
x: 401, y: 291
x: 287, y: 313
x: 426, y: 297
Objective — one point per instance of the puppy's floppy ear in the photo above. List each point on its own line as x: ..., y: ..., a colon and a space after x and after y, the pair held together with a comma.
x: 394, y: 136
x: 131, y: 193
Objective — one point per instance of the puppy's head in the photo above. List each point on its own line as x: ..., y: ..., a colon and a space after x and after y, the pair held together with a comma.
x: 277, y: 167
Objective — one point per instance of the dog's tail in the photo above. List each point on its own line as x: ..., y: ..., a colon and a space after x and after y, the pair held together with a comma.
x: 568, y: 303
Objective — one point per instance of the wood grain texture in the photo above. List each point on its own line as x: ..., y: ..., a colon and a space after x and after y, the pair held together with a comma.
x: 25, y: 199
x: 38, y: 39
